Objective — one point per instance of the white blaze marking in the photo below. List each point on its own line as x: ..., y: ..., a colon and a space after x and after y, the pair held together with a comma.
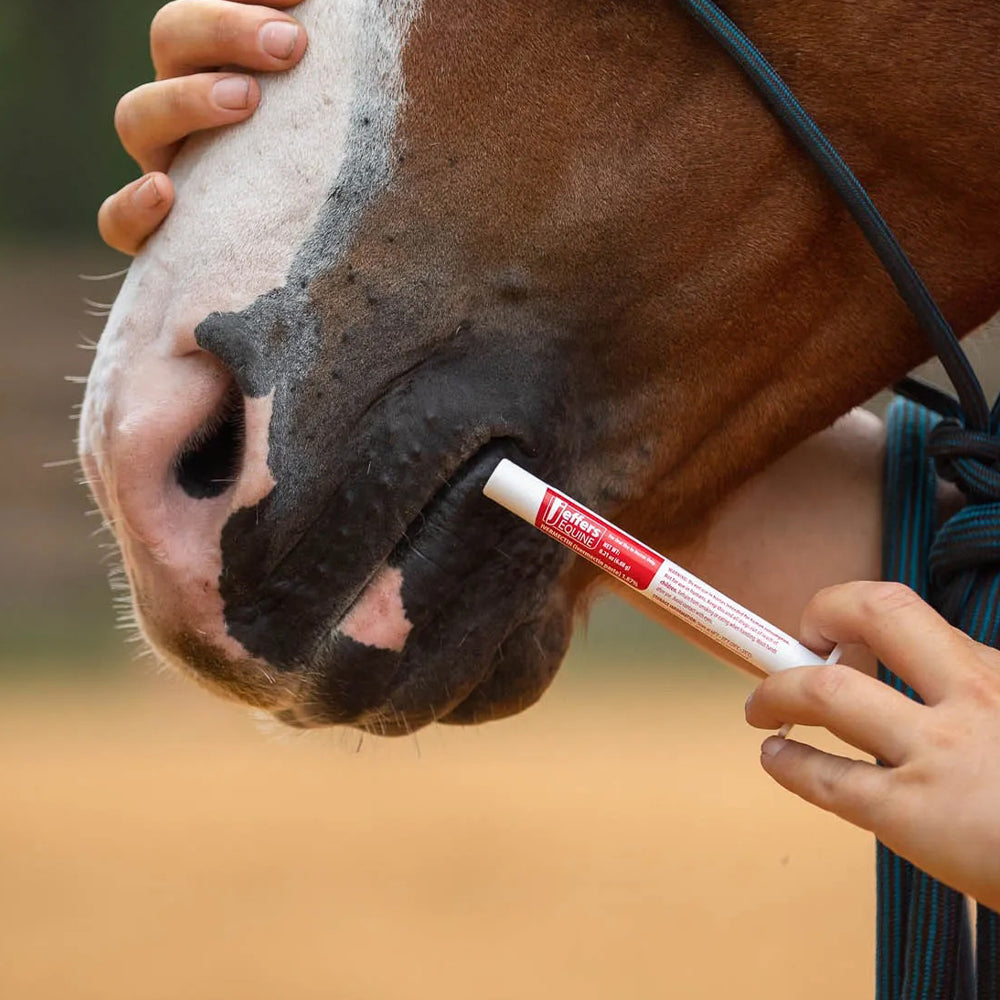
x: 248, y: 197
x: 248, y: 200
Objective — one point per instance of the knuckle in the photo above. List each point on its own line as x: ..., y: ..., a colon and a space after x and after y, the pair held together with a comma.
x: 163, y: 28
x: 845, y: 788
x: 832, y: 788
x: 886, y: 598
x: 888, y: 810
x: 175, y: 98
x: 941, y: 737
x: 982, y: 687
x: 229, y: 27
x: 125, y: 117
x: 822, y: 685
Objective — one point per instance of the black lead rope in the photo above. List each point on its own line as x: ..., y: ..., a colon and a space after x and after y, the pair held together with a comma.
x: 924, y: 945
x: 910, y: 285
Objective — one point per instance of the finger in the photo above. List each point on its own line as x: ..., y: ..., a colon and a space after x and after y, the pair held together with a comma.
x: 127, y: 219
x: 153, y: 119
x: 192, y: 35
x: 856, y: 791
x: 906, y: 634
x: 857, y: 708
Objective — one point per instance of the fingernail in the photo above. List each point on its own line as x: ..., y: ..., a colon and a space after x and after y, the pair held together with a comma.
x: 772, y: 746
x: 746, y: 705
x: 147, y: 195
x: 232, y: 93
x: 278, y: 38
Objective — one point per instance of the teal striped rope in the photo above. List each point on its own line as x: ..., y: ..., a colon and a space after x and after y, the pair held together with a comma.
x: 924, y: 949
x: 924, y: 941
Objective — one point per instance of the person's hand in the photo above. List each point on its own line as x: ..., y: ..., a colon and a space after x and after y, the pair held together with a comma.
x: 188, y: 39
x: 936, y: 801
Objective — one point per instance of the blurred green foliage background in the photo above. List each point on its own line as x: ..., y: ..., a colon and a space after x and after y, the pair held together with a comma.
x: 63, y: 66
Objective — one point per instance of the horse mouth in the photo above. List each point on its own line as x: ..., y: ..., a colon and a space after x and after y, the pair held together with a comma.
x: 438, y: 535
x: 376, y: 571
x: 450, y: 598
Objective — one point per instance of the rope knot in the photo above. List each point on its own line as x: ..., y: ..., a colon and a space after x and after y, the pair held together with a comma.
x: 968, y: 543
x: 970, y: 459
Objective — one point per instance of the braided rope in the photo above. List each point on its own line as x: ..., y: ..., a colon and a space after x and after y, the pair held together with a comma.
x: 924, y: 942
x: 923, y: 945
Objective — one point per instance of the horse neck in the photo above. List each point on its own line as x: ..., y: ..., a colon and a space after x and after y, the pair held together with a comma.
x: 910, y: 94
x: 785, y: 303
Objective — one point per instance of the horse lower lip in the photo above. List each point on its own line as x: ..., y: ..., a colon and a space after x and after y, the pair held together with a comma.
x: 437, y: 542
x: 452, y: 626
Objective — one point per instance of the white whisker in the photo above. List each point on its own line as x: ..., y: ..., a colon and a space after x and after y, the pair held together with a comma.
x: 104, y: 277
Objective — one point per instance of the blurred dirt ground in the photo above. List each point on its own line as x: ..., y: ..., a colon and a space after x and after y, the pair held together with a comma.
x: 618, y: 840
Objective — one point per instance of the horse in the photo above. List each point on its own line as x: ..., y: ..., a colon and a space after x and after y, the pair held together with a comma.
x: 566, y: 233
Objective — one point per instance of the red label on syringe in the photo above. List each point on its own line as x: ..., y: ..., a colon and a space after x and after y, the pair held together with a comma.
x: 654, y: 576
x: 597, y: 540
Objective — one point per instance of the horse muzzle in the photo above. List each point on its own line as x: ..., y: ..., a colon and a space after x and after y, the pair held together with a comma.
x: 333, y: 568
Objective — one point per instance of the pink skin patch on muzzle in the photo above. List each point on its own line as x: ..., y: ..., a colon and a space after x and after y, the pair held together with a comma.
x: 378, y: 617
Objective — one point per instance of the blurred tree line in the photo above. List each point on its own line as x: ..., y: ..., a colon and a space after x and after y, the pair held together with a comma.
x: 63, y: 66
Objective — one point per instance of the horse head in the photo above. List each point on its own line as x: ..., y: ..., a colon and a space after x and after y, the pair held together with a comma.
x: 559, y: 232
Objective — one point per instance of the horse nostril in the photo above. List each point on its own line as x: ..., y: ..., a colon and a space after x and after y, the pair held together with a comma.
x: 210, y: 460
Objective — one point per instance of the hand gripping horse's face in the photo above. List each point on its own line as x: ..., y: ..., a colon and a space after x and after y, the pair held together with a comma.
x: 458, y: 232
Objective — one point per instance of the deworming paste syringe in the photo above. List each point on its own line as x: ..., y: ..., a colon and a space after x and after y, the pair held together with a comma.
x: 645, y: 570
